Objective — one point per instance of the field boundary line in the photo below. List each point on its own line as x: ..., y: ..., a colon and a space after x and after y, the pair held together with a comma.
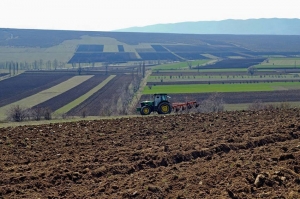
x: 139, y: 93
x: 45, y: 95
x: 9, y: 76
x: 84, y: 97
x: 174, y: 53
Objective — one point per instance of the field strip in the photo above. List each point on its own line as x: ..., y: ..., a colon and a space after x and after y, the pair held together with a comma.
x: 46, y: 94
x: 245, y: 106
x: 81, y: 99
x: 9, y: 76
x: 208, y: 88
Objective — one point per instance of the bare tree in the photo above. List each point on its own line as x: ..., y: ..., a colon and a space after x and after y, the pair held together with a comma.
x: 256, y: 105
x: 47, y: 112
x: 79, y: 70
x: 73, y: 65
x: 144, y: 69
x: 214, y: 103
x: 17, y: 67
x: 251, y: 70
x: 48, y: 65
x: 190, y: 64
x: 17, y: 113
x: 35, y: 65
x: 41, y: 63
x: 55, y: 64
x: 106, y: 65
x: 83, y: 113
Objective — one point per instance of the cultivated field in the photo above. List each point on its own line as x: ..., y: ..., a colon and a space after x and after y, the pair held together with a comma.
x: 235, y: 98
x: 44, y: 95
x: 179, y: 63
x: 212, y: 88
x: 237, y: 154
x: 105, y: 101
x: 233, y: 81
x: 84, y: 95
x: 26, y: 84
x: 221, y: 155
x: 67, y: 97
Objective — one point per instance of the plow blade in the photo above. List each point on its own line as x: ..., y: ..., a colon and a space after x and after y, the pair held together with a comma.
x: 177, y: 106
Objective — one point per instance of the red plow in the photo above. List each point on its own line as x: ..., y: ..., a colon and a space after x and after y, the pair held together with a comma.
x: 180, y: 106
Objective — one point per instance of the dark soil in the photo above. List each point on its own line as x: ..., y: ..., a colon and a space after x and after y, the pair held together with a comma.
x: 27, y: 84
x: 106, y: 98
x: 72, y: 94
x: 221, y: 155
x: 238, y: 97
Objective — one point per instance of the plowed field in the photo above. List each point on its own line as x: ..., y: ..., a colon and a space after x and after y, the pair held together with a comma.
x: 237, y: 97
x: 223, y: 155
x: 105, y: 97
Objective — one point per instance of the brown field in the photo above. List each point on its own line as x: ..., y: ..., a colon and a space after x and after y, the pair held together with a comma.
x: 26, y: 84
x: 221, y: 155
x: 238, y: 97
x: 106, y: 98
x: 59, y: 101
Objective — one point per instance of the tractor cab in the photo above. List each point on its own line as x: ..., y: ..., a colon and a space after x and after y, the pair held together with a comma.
x: 159, y: 104
x: 159, y: 98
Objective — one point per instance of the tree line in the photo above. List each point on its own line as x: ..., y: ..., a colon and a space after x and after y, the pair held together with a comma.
x: 13, y: 67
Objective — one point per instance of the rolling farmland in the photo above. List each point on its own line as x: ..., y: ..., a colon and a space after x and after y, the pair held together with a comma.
x: 45, y: 95
x: 218, y: 63
x: 236, y: 154
x: 59, y: 101
x: 27, y: 84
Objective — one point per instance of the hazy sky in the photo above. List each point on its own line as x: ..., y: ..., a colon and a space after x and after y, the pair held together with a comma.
x: 105, y: 15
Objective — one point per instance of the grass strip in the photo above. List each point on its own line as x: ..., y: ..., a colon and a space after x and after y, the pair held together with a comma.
x: 210, y: 88
x: 84, y: 97
x: 180, y: 65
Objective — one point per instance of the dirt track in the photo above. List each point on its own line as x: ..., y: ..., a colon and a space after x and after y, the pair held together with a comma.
x: 224, y: 155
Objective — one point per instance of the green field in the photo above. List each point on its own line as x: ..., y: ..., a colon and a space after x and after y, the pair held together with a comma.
x: 210, y: 88
x: 178, y: 78
x: 180, y: 65
x: 280, y: 63
x: 204, y: 70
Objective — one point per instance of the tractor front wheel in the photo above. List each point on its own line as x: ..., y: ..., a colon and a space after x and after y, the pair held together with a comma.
x: 145, y: 110
x: 164, y: 108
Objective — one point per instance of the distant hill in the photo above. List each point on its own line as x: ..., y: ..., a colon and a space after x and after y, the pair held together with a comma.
x: 273, y: 26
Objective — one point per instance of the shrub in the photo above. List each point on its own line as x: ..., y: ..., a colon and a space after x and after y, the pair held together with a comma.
x: 214, y: 103
x: 256, y: 105
x: 47, y: 113
x: 17, y: 113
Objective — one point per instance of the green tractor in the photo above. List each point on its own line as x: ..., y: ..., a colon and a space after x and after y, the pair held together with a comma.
x: 160, y: 104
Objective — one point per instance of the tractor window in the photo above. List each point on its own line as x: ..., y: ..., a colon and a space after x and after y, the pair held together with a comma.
x: 164, y: 98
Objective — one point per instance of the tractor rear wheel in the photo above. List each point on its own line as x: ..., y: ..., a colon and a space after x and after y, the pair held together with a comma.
x: 164, y: 108
x: 145, y: 110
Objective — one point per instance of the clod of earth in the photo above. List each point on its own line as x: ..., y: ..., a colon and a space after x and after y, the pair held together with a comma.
x: 240, y: 154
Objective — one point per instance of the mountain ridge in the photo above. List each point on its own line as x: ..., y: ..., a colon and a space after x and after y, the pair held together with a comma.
x: 261, y: 26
